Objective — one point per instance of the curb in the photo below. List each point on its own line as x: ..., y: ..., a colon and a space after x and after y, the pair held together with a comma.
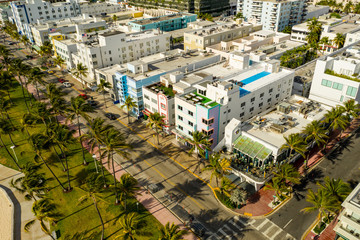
x: 310, y: 228
x: 12, y: 212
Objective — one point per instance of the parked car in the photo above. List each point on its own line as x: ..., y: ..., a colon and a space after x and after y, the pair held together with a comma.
x: 61, y: 80
x: 11, y: 43
x: 92, y: 103
x: 84, y: 96
x: 110, y: 116
x: 66, y: 84
x: 29, y: 57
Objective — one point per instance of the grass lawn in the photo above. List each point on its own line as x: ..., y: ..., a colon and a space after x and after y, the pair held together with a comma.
x: 75, y: 218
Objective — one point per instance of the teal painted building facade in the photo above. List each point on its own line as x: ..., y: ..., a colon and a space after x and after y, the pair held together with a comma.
x: 163, y: 23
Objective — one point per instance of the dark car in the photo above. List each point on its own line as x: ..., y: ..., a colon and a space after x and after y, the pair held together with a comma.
x: 92, y: 103
x: 198, y: 228
x: 110, y: 116
x: 61, y: 80
x: 11, y: 43
x: 29, y: 57
x: 84, y: 96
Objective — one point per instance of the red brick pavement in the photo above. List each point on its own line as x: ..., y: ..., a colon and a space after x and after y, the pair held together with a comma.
x: 327, y: 234
x: 258, y: 204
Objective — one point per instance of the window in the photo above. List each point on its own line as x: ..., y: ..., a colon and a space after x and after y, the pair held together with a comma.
x: 326, y: 83
x: 269, y: 100
x: 243, y: 104
x: 147, y: 106
x: 337, y: 86
x: 146, y: 97
x: 270, y: 91
x: 277, y: 95
x: 253, y: 99
x: 260, y: 104
x: 190, y: 113
x: 351, y: 91
x: 208, y: 121
x: 261, y: 95
x: 180, y: 117
x: 154, y: 101
x: 163, y: 106
x: 242, y: 114
x: 229, y: 110
x: 180, y: 107
x: 251, y: 109
x: 180, y: 127
x: 189, y: 132
x: 110, y: 59
x: 208, y: 133
x: 191, y: 123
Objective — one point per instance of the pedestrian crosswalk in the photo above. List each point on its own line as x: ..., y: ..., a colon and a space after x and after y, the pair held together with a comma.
x: 235, y: 227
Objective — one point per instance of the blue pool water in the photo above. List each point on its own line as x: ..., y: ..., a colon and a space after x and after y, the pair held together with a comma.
x: 254, y: 77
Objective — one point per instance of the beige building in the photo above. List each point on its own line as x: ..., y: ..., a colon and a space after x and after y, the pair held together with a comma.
x: 202, y: 38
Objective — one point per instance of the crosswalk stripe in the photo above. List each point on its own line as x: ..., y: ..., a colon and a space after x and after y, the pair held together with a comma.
x: 234, y: 224
x: 234, y: 233
x: 275, y: 234
x: 262, y: 224
x: 222, y: 232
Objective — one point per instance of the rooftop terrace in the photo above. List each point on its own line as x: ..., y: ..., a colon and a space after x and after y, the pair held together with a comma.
x: 158, y: 19
x: 289, y: 117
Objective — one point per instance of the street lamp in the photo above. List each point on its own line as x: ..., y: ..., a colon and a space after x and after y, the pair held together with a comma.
x: 12, y: 147
x: 137, y: 206
x: 94, y: 157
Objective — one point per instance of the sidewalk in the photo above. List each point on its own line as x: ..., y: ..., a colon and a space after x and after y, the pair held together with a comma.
x: 160, y: 212
x: 327, y: 234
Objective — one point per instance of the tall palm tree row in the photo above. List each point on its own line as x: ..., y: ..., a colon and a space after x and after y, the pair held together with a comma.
x: 129, y: 104
x: 156, y: 122
x: 171, y: 232
x: 218, y: 167
x: 80, y: 71
x: 102, y: 87
x: 199, y: 144
x: 294, y: 142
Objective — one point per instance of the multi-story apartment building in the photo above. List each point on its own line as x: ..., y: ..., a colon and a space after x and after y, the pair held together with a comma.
x: 261, y: 45
x: 29, y: 12
x: 213, y: 7
x: 115, y: 47
x: 210, y: 105
x: 99, y: 8
x: 202, y: 38
x: 41, y: 30
x: 348, y: 225
x: 129, y: 79
x: 5, y: 13
x: 335, y: 80
x: 273, y: 15
x: 163, y: 23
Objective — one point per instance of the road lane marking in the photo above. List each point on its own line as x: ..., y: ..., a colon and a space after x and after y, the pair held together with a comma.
x: 288, y: 223
x: 262, y: 224
x: 275, y: 234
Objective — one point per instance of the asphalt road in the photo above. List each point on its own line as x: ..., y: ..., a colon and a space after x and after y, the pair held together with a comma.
x: 193, y: 195
x: 343, y: 163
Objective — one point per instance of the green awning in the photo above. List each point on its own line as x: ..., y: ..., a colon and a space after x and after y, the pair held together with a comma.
x: 36, y: 47
x: 251, y: 148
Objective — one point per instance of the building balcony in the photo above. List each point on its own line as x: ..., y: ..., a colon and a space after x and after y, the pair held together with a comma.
x: 348, y: 234
x: 351, y: 220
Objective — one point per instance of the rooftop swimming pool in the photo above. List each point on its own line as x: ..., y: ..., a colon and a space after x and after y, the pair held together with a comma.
x: 254, y: 77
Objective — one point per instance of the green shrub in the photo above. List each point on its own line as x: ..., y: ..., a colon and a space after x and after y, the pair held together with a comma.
x: 319, y: 228
x: 43, y: 68
x: 224, y: 199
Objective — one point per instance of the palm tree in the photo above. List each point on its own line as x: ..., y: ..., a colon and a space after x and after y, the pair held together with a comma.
x: 102, y: 88
x: 41, y: 142
x: 33, y: 183
x: 46, y: 49
x: 156, y: 122
x: 4, y: 107
x: 92, y: 187
x: 4, y: 126
x: 324, y: 41
x: 80, y: 71
x: 200, y: 143
x: 351, y: 108
x: 20, y: 69
x: 6, y: 83
x: 336, y: 119
x: 129, y: 104
x: 276, y: 185
x: 336, y: 188
x: 44, y: 211
x: 315, y: 131
x: 25, y: 40
x: 114, y: 142
x: 59, y: 61
x: 320, y: 202
x: 239, y: 196
x: 114, y: 18
x: 27, y: 121
x: 287, y: 173
x: 78, y: 108
x: 96, y: 131
x: 171, y: 232
x: 5, y: 53
x: 36, y: 78
x: 63, y: 137
x: 218, y: 167
x: 226, y: 186
x: 339, y: 40
x: 294, y: 142
x: 128, y: 186
x: 41, y: 113
x: 130, y: 226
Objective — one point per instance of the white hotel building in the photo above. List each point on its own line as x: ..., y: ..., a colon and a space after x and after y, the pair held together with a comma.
x: 241, y: 94
x: 329, y: 87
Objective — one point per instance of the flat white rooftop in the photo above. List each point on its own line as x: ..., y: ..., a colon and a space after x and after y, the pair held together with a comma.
x: 292, y: 122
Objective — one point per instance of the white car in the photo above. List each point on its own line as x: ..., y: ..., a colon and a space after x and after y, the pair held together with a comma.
x: 67, y: 84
